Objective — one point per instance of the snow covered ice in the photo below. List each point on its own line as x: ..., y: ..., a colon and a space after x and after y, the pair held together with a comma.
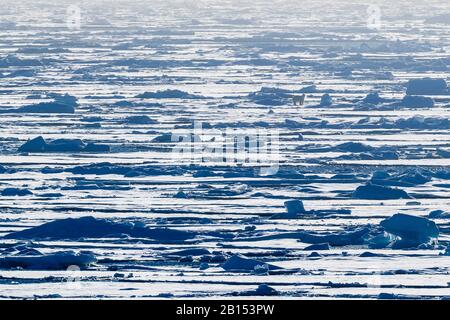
x: 128, y: 138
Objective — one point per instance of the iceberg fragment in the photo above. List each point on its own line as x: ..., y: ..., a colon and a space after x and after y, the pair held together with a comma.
x: 375, y: 192
x: 427, y: 86
x: 53, y: 261
x: 411, y: 228
x: 240, y: 263
x: 90, y: 227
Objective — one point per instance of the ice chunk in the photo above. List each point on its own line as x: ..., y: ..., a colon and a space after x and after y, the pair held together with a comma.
x: 61, y: 104
x: 353, y: 147
x: 34, y: 145
x: 412, y: 228
x: 20, y: 249
x: 293, y: 211
x: 11, y: 60
x: 265, y: 290
x: 376, y: 192
x: 379, y: 241
x: 294, y: 207
x: 165, y: 138
x: 12, y: 192
x: 96, y: 147
x: 427, y: 86
x: 348, y: 237
x: 315, y: 255
x: 309, y: 89
x: 19, y: 73
x: 443, y: 153
x: 318, y: 246
x: 296, y: 210
x: 380, y: 175
x: 64, y: 145
x: 368, y: 254
x: 168, y: 94
x: 46, y: 107
x: 203, y: 266
x: 38, y: 144
x: 420, y: 122
x: 181, y: 195
x: 438, y: 214
x: 271, y: 96
x: 139, y: 120
x: 190, y: 252
x: 326, y: 100
x: 66, y: 99
x: 54, y: 261
x: 90, y: 227
x: 373, y: 98
x: 406, y: 178
x: 417, y: 102
x: 262, y: 290
x: 240, y: 263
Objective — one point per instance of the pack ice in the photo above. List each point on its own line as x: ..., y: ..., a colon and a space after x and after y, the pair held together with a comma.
x: 128, y: 167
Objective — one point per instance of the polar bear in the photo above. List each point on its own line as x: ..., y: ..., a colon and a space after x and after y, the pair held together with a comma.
x: 298, y: 100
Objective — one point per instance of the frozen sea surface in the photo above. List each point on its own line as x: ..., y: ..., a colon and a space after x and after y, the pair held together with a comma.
x: 121, y: 62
